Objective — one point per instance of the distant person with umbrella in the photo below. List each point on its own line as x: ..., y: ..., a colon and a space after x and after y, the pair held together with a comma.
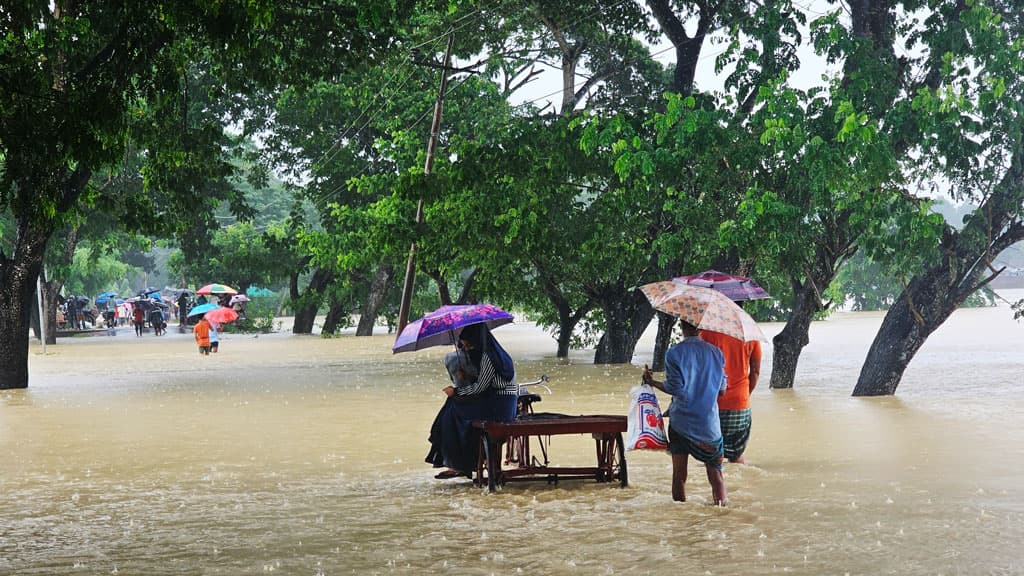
x: 156, y: 320
x: 71, y: 311
x: 238, y: 303
x: 201, y: 332
x: 182, y: 302
x: 139, y: 316
x: 218, y: 316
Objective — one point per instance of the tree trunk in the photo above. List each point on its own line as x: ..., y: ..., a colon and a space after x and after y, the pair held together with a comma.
x: 336, y: 313
x: 305, y: 316
x: 897, y: 341
x: 790, y: 342
x: 308, y: 304
x: 50, y: 290
x: 567, y: 321
x: 626, y: 318
x: 938, y: 290
x: 443, y: 293
x: 466, y: 294
x: 567, y: 318
x: 17, y: 286
x: 666, y: 322
x: 687, y: 47
x: 374, y: 300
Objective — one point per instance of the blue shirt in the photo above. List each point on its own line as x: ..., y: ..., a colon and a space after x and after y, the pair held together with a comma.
x: 694, y: 376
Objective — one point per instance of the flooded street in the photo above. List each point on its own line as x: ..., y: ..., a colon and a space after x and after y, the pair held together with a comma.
x: 302, y: 455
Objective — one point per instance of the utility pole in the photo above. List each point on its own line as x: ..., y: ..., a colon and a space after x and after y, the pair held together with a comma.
x: 435, y: 127
x: 42, y: 309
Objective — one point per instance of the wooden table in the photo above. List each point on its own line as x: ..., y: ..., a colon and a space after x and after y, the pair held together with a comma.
x: 606, y: 431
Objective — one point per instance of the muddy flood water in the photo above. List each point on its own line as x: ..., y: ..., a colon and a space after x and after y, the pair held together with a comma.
x: 303, y: 455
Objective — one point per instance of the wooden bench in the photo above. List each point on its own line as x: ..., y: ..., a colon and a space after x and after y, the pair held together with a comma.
x: 606, y: 431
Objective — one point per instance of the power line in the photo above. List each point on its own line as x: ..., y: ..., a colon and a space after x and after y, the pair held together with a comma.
x: 336, y: 147
x: 408, y: 128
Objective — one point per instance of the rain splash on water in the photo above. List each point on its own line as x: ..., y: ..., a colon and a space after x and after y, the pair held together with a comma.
x: 302, y: 455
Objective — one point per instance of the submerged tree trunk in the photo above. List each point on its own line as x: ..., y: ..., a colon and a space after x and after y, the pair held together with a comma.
x: 568, y: 318
x: 374, y: 300
x: 789, y: 343
x: 626, y: 315
x: 18, y: 276
x: 903, y: 332
x: 308, y: 303
x: 336, y: 314
x: 937, y: 291
x: 50, y: 290
x: 666, y: 322
x: 20, y: 271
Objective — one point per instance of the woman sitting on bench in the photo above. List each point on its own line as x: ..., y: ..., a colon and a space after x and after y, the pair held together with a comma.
x: 484, y: 387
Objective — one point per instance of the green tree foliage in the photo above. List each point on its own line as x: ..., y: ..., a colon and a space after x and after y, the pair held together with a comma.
x: 81, y: 79
x: 240, y: 257
x: 965, y: 121
x: 93, y: 273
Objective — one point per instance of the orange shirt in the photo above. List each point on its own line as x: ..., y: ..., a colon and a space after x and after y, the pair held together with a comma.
x: 739, y: 356
x: 202, y: 333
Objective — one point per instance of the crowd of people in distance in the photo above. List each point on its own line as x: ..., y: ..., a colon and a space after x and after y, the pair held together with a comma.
x: 150, y: 310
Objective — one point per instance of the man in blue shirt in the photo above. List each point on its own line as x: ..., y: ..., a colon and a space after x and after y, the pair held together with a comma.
x: 695, y: 377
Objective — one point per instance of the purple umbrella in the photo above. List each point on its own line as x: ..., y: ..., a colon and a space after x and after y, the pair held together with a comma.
x: 442, y: 325
x: 736, y: 288
x: 238, y: 298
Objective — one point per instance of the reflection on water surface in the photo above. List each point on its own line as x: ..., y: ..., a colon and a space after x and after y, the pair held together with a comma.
x: 300, y: 455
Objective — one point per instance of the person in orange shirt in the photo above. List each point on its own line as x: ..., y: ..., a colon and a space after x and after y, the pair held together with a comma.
x: 742, y: 368
x: 201, y: 331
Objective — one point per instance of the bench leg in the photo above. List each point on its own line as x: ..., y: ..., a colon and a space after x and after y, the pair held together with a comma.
x: 623, y: 474
x: 611, y: 458
x: 492, y: 452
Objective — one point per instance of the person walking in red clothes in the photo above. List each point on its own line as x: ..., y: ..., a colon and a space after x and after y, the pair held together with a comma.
x: 138, y: 318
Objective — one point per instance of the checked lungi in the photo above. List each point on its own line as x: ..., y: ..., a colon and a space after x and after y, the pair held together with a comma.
x: 709, y: 453
x: 735, y: 431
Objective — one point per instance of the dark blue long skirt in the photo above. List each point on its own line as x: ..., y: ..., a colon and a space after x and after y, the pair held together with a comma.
x: 454, y: 443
